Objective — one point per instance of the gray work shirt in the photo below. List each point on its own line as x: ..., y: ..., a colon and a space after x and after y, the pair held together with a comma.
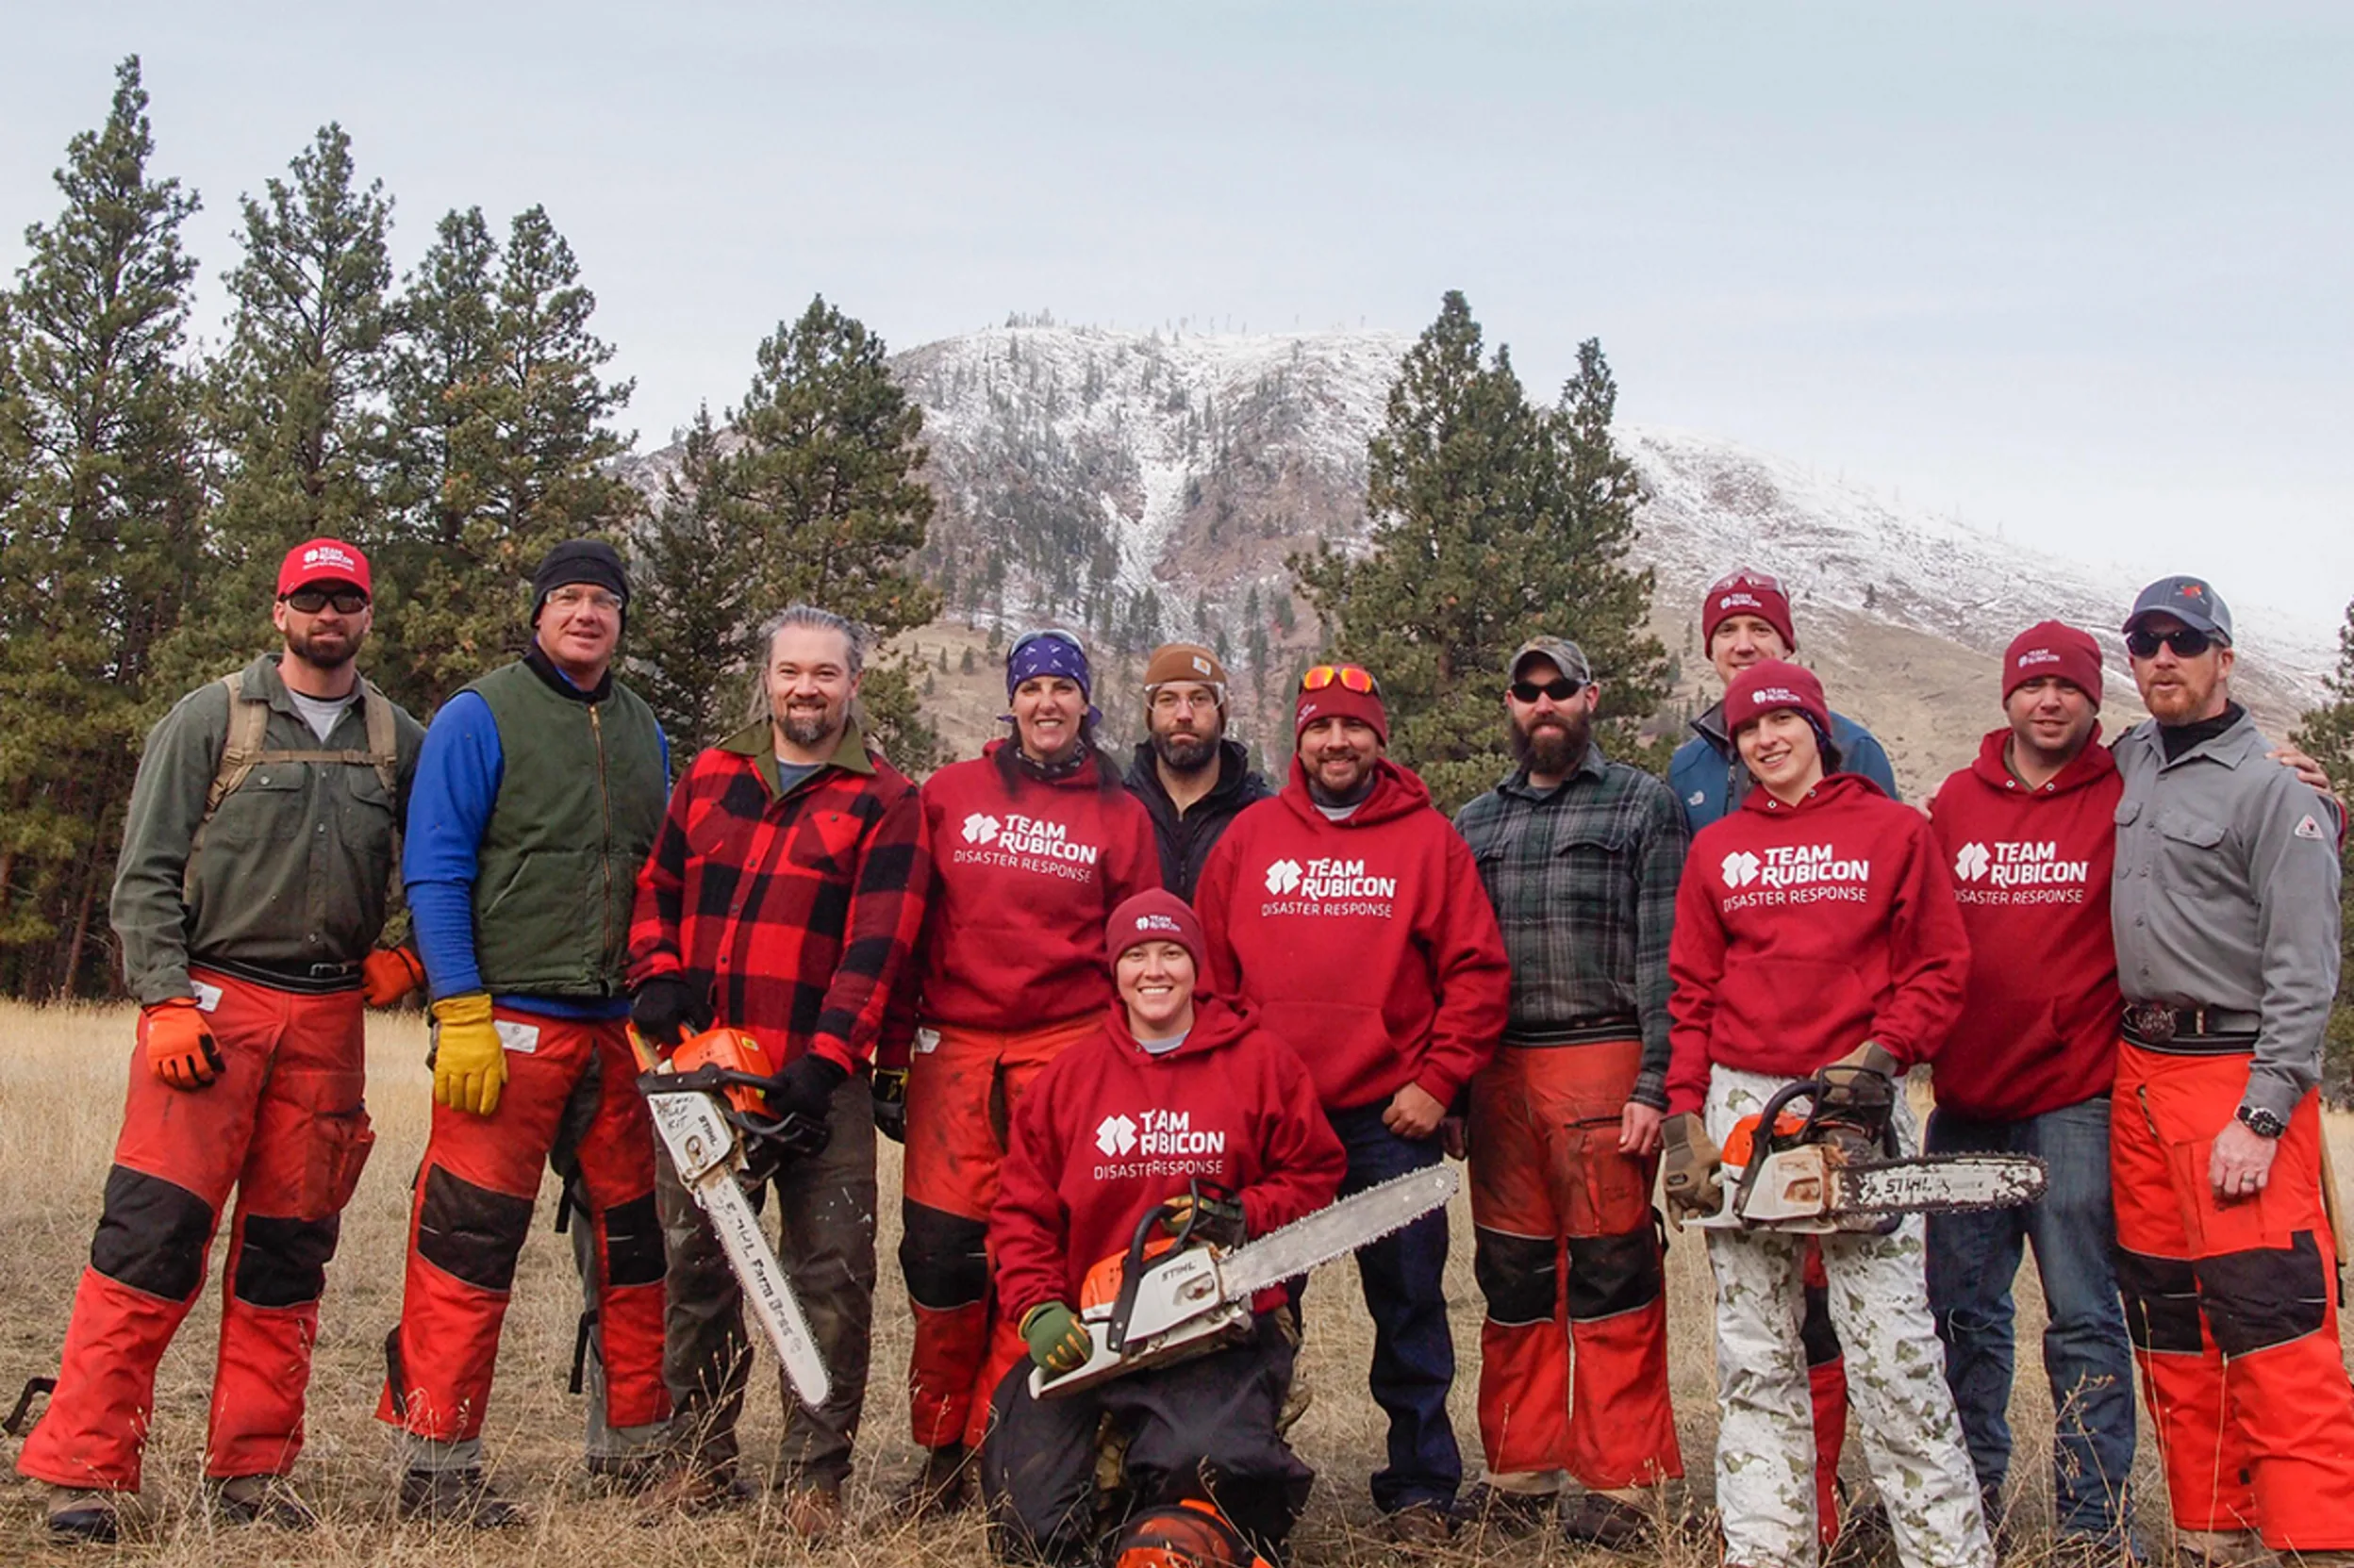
x: 2227, y: 896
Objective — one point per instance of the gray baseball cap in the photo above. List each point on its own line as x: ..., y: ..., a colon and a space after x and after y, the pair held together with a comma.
x: 2190, y: 601
x: 1566, y: 656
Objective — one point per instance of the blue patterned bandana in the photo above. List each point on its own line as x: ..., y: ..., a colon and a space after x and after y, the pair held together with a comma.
x: 1048, y: 652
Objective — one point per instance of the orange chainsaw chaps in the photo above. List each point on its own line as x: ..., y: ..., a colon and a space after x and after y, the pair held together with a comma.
x: 1742, y: 1142
x: 1100, y: 1287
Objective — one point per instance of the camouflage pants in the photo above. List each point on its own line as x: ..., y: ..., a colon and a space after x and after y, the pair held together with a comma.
x: 1895, y: 1381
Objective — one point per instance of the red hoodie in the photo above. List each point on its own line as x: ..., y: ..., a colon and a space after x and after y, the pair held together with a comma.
x: 1023, y: 877
x: 1369, y: 941
x: 1109, y: 1130
x: 2031, y: 870
x: 1802, y: 931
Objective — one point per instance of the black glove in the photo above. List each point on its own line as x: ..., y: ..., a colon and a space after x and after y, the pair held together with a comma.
x: 890, y: 1103
x: 1860, y: 1084
x: 1205, y: 1216
x: 805, y: 1087
x: 666, y: 1009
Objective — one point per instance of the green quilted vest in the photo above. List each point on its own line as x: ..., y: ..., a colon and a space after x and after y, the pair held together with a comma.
x: 580, y: 796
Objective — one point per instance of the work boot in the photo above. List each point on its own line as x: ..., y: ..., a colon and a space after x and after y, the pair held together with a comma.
x: 811, y: 1511
x: 939, y: 1488
x: 455, y: 1497
x: 691, y: 1491
x: 1598, y: 1519
x: 1500, y: 1511
x: 1419, y: 1527
x: 2225, y: 1549
x: 72, y: 1514
x: 260, y: 1500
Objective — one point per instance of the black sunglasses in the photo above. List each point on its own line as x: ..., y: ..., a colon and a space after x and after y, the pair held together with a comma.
x: 311, y: 601
x: 2188, y: 642
x: 1560, y: 688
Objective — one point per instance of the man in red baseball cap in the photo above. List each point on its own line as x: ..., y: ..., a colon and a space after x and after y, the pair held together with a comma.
x: 2028, y: 832
x: 249, y: 896
x: 1347, y: 912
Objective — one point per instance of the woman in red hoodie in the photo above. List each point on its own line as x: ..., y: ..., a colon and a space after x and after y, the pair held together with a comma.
x: 1034, y: 843
x: 1176, y: 1102
x: 1816, y: 933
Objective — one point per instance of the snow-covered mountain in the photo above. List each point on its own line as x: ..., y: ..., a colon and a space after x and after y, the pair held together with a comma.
x: 1140, y: 484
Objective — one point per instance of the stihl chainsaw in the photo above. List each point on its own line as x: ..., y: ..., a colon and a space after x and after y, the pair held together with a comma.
x: 708, y: 1106
x: 1170, y: 1298
x: 1837, y: 1167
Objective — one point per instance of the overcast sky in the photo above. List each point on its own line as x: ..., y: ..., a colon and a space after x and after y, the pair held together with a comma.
x: 2083, y: 271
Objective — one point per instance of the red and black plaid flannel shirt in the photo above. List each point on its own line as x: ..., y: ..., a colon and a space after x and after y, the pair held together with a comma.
x: 797, y: 910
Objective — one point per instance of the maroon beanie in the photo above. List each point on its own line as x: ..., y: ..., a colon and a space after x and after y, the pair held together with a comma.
x: 1746, y: 592
x: 1338, y: 701
x: 1157, y: 915
x: 1769, y: 683
x: 2052, y: 648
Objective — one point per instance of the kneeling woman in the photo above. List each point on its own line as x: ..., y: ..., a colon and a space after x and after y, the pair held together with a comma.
x: 1081, y: 1172
x: 1816, y: 933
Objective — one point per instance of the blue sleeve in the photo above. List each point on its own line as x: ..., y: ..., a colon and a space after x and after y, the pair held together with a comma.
x: 665, y: 740
x: 1865, y: 755
x: 449, y: 806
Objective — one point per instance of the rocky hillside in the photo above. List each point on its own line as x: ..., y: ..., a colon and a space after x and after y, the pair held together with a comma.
x: 1143, y: 486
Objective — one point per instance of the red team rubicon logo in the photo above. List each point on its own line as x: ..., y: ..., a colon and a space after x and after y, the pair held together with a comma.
x: 1793, y: 874
x: 980, y: 828
x: 1116, y: 1136
x: 1026, y: 844
x: 2025, y: 872
x: 328, y: 556
x: 1283, y: 877
x: 1971, y: 860
x: 1739, y: 868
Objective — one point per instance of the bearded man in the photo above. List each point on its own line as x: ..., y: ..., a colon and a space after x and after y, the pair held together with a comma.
x: 782, y: 896
x: 1193, y: 781
x: 1581, y: 856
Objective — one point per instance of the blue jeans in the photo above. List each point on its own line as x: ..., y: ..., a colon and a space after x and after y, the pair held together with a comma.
x: 1405, y: 1291
x: 1972, y: 1259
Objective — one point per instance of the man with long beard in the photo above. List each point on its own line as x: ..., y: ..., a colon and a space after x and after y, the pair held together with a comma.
x: 1581, y: 856
x: 1192, y: 780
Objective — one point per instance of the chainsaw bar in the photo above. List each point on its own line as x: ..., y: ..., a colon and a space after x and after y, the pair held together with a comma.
x: 1336, y: 1228
x: 1937, y: 1184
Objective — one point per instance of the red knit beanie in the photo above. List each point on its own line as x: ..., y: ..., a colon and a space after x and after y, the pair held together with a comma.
x: 2052, y: 648
x: 1337, y: 701
x: 1769, y: 684
x: 1157, y: 915
x: 1746, y: 592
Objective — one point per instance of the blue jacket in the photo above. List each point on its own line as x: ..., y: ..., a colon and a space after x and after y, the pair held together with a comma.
x: 1707, y: 775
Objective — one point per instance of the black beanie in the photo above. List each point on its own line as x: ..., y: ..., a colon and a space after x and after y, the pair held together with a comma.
x: 590, y: 561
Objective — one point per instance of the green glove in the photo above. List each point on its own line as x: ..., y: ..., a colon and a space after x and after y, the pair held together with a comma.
x: 1058, y: 1342
x: 1691, y: 1168
x: 469, y: 1058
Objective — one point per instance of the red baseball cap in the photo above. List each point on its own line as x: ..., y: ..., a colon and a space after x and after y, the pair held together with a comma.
x: 323, y: 561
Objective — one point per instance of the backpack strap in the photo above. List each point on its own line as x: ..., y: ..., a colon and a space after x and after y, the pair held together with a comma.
x: 242, y: 751
x: 383, y: 743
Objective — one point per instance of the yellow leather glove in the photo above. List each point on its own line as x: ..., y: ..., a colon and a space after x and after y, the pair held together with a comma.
x: 469, y: 1058
x: 1691, y: 1169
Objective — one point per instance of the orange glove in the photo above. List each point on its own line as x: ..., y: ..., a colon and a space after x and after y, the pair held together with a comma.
x: 389, y: 974
x: 180, y: 1048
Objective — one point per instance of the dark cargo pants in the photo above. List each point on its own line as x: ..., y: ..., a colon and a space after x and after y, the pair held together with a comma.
x: 825, y: 1205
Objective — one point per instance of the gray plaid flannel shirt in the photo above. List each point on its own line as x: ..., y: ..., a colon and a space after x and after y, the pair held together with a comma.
x: 1583, y: 881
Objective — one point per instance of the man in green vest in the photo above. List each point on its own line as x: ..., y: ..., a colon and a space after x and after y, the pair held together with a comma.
x: 539, y: 791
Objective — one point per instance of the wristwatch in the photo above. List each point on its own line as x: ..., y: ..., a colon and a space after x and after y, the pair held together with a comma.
x: 2263, y: 1123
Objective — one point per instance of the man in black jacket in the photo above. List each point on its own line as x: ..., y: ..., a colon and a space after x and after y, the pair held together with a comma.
x: 1191, y: 777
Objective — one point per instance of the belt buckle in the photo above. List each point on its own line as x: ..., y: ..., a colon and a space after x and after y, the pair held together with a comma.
x: 2153, y: 1021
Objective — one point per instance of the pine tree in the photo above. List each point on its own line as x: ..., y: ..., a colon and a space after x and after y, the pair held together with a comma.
x: 1493, y: 519
x: 100, y: 501
x: 823, y: 490
x: 691, y: 626
x: 506, y: 439
x: 2328, y: 735
x: 296, y: 404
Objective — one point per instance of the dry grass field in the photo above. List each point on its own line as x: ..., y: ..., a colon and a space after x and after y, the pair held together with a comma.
x: 61, y: 1076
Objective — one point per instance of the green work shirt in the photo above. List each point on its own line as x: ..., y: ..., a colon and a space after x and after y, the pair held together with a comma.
x: 297, y: 863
